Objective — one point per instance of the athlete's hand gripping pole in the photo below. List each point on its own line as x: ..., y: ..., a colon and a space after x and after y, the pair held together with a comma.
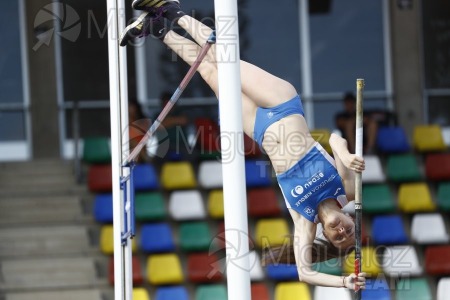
x: 358, y: 180
x: 211, y: 40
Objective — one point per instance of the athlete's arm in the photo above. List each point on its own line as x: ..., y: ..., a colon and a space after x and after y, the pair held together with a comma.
x: 305, y: 232
x: 346, y: 164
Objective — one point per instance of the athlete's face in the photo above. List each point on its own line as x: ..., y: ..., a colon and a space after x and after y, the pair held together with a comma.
x: 340, y: 231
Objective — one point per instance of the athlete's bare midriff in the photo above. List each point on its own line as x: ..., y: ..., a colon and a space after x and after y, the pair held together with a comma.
x: 287, y: 141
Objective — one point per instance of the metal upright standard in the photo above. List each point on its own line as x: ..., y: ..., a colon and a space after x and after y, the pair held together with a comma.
x: 358, y: 181
x: 233, y: 167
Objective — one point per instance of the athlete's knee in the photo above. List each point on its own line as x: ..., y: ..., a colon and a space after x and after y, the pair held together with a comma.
x: 288, y: 88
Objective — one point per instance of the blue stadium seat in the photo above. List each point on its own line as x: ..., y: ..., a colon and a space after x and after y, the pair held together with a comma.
x: 103, y: 208
x: 145, y: 177
x: 388, y: 230
x: 257, y: 173
x: 376, y: 289
x: 281, y: 272
x: 171, y: 293
x: 157, y: 238
x: 392, y: 140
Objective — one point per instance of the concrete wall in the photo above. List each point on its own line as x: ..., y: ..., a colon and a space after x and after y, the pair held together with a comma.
x: 406, y: 58
x: 43, y: 106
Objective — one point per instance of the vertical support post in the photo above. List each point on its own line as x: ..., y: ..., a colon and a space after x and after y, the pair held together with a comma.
x: 358, y: 179
x: 232, y: 145
x: 305, y: 50
x: 119, y: 146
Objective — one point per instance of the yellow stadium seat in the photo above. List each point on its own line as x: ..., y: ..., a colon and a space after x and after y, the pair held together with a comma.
x: 292, y: 291
x: 215, y: 204
x: 164, y: 269
x: 369, y: 264
x: 107, y: 240
x: 323, y: 137
x: 428, y: 138
x: 271, y: 232
x: 178, y: 175
x: 140, y: 294
x: 415, y: 197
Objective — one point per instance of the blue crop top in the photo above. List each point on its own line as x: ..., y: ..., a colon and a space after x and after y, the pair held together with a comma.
x: 267, y: 116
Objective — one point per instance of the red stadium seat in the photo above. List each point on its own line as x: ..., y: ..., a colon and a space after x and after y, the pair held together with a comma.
x: 259, y: 291
x: 251, y: 148
x: 204, y: 267
x: 138, y: 278
x: 437, y: 166
x: 263, y: 202
x: 100, y: 178
x: 437, y: 260
x: 208, y: 135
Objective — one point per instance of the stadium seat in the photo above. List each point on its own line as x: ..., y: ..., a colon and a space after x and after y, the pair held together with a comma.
x: 211, y: 292
x: 377, y: 199
x: 186, y: 205
x: 210, y: 174
x: 437, y: 166
x: 103, y: 208
x: 443, y: 196
x: 282, y: 272
x: 251, y: 148
x: 413, y: 289
x: 415, y: 197
x: 138, y: 277
x: 443, y: 288
x: 100, y: 178
x: 373, y: 172
x: 97, y: 150
x: 208, y: 134
x: 388, y: 230
x: 271, y: 232
x: 403, y: 167
x: 215, y: 204
x: 178, y: 175
x: 429, y: 229
x: 256, y: 270
x: 427, y: 138
x: 331, y: 266
x: 107, y: 240
x: 204, y: 267
x: 145, y: 177
x: 177, y: 292
x: 259, y: 291
x: 376, y: 289
x: 392, y: 140
x: 292, y: 291
x: 437, y: 260
x: 140, y: 294
x: 322, y: 135
x: 399, y: 261
x: 446, y: 135
x: 257, y: 173
x: 194, y: 236
x: 371, y: 266
x: 157, y: 238
x: 263, y: 202
x: 322, y: 292
x: 163, y: 269
x: 149, y: 206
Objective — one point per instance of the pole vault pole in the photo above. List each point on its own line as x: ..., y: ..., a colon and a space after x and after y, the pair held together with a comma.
x: 232, y: 146
x: 358, y: 181
x: 119, y: 147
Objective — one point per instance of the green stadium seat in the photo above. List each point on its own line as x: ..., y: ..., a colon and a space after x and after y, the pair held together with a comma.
x: 377, y: 198
x: 194, y: 236
x: 149, y: 206
x: 332, y: 267
x: 211, y: 292
x: 443, y: 196
x: 413, y: 289
x: 97, y: 150
x: 403, y: 167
